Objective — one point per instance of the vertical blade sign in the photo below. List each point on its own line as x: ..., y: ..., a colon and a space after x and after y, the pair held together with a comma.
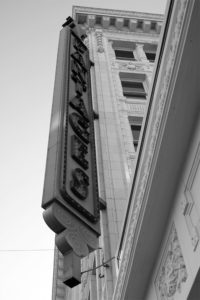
x: 70, y: 196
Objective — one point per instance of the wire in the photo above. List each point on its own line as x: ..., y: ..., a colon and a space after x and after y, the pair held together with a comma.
x: 104, y: 264
x: 25, y: 250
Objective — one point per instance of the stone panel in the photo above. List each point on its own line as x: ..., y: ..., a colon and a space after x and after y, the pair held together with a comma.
x: 172, y: 271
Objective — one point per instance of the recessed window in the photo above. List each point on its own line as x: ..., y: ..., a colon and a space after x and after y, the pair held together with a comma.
x: 139, y: 24
x: 126, y: 23
x: 112, y: 21
x: 135, y: 124
x: 82, y: 19
x: 150, y: 56
x: 124, y: 54
x: 98, y: 20
x: 153, y: 26
x: 133, y: 89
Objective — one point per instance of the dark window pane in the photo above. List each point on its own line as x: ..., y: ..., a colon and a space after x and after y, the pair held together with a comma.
x: 124, y: 54
x: 133, y: 89
x: 140, y: 24
x: 153, y: 25
x: 126, y: 23
x: 136, y: 134
x: 82, y: 19
x: 150, y: 56
x: 112, y: 21
x: 133, y: 84
x: 98, y: 20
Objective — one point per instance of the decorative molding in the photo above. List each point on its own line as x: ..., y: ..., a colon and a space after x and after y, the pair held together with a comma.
x: 172, y: 271
x: 140, y: 52
x: 135, y: 108
x: 134, y: 215
x: 117, y: 13
x: 189, y: 206
x: 99, y: 38
x: 132, y: 66
x: 139, y: 37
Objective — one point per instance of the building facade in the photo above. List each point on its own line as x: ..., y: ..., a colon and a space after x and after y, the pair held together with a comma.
x: 146, y: 93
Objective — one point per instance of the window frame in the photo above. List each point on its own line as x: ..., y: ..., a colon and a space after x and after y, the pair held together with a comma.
x: 135, y: 92
x: 123, y: 57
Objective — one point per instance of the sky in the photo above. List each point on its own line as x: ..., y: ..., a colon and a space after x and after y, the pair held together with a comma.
x: 29, y: 31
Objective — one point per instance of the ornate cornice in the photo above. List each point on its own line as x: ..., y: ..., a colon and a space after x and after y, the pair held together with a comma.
x: 121, y: 20
x: 116, y: 13
x: 150, y: 152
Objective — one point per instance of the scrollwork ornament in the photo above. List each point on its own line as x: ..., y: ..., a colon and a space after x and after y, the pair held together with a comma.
x: 173, y: 271
x: 99, y: 38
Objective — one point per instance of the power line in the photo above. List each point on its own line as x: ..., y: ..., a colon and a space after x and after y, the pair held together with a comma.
x: 25, y: 250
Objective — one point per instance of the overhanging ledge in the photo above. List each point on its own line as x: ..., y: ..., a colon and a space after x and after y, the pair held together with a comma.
x: 164, y: 151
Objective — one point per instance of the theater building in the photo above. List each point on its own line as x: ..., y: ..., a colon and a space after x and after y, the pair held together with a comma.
x: 146, y: 99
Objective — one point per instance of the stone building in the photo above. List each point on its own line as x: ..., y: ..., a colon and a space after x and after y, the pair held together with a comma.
x: 145, y: 87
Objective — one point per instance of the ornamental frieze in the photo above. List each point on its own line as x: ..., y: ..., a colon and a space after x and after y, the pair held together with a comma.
x: 132, y: 66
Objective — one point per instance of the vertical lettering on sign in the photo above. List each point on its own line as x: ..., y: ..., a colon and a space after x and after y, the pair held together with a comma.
x: 79, y: 183
x: 79, y: 126
x: 79, y: 152
x: 78, y: 104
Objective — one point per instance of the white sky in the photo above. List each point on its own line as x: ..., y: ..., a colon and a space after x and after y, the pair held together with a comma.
x: 29, y: 33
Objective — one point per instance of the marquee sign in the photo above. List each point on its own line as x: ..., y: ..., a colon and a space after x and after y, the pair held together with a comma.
x: 70, y: 185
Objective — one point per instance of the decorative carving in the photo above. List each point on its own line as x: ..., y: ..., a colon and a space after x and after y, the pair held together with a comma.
x: 127, y: 14
x: 172, y: 272
x: 132, y: 66
x: 151, y: 147
x: 189, y: 205
x: 140, y: 53
x: 99, y: 37
x: 135, y: 108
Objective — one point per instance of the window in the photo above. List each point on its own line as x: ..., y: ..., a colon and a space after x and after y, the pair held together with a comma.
x: 98, y: 20
x: 124, y: 54
x: 133, y: 89
x: 112, y: 21
x: 153, y: 25
x: 82, y: 19
x: 150, y: 51
x: 140, y: 24
x: 150, y: 56
x: 135, y: 124
x: 126, y: 23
